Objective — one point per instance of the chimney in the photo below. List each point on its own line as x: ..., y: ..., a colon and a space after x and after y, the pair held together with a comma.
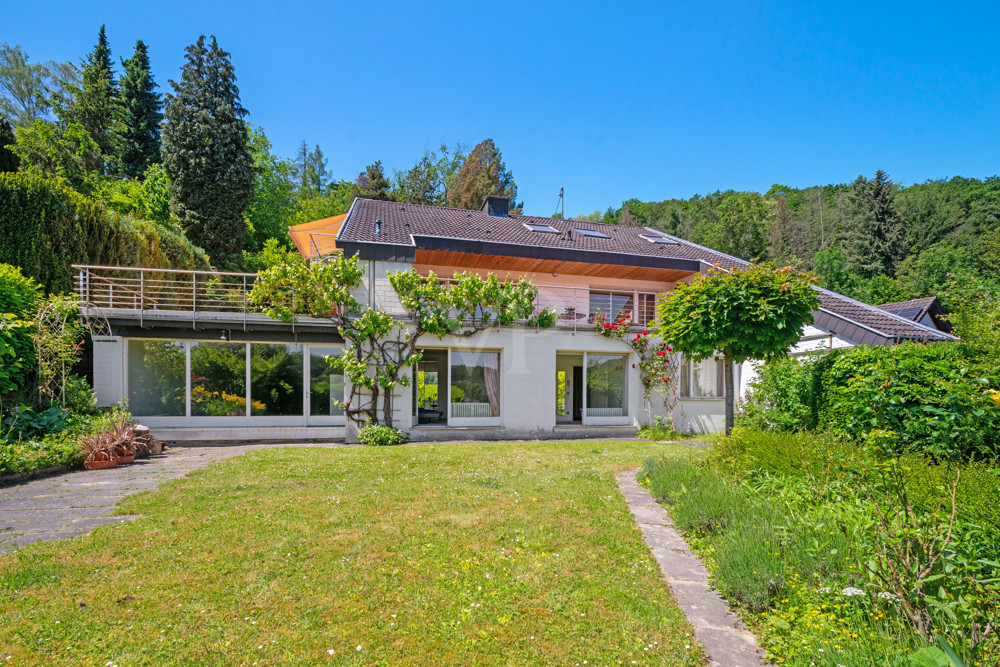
x: 496, y: 205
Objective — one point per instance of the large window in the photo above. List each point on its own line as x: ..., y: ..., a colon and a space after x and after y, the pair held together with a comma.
x: 326, y: 384
x: 703, y: 379
x: 156, y: 386
x: 275, y: 379
x: 475, y: 384
x: 611, y: 304
x: 606, y: 377
x: 219, y: 380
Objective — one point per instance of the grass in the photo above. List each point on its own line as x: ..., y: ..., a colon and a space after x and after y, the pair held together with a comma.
x: 490, y: 554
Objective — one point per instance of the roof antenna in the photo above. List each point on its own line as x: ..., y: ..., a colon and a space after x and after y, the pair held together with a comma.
x: 559, y: 207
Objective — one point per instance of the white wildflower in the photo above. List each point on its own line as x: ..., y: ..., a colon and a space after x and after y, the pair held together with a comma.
x: 851, y: 591
x: 886, y: 595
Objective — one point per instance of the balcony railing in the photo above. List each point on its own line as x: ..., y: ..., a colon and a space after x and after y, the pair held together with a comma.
x: 147, y: 291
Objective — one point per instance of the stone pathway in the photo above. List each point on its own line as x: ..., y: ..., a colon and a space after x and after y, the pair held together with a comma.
x: 726, y: 640
x: 75, y: 503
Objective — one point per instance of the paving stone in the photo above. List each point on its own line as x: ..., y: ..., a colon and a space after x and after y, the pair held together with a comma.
x: 726, y: 640
x: 75, y: 503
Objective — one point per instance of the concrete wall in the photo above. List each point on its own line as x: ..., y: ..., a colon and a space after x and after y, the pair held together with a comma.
x: 375, y: 290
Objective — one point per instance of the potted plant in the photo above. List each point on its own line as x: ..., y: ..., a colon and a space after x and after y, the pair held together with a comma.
x: 99, y: 451
x: 124, y: 441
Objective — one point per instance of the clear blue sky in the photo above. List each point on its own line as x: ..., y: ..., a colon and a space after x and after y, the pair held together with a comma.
x: 611, y: 100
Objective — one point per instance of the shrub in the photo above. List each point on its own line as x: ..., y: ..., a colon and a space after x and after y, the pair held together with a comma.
x: 18, y: 297
x: 780, y: 395
x: 46, y: 226
x: 80, y: 397
x: 932, y: 398
x: 24, y: 423
x: 378, y: 435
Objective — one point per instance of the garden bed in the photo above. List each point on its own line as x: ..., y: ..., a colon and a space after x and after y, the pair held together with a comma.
x: 836, y: 558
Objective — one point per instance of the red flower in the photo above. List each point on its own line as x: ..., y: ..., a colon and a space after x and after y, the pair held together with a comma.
x: 669, y: 349
x: 633, y: 365
x: 644, y: 333
x: 666, y: 380
x: 607, y: 326
x: 660, y: 352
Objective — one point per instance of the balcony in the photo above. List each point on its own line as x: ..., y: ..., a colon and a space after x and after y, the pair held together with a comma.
x: 202, y: 296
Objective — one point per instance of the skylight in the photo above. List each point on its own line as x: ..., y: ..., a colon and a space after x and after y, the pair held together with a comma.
x: 593, y: 233
x: 659, y: 239
x: 548, y: 229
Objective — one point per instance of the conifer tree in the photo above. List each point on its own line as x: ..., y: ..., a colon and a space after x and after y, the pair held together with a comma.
x: 483, y: 173
x: 206, y: 154
x: 137, y: 125
x: 94, y: 101
x: 874, y: 229
x: 372, y: 183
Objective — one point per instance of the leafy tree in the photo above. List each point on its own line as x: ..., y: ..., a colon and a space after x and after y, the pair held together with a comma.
x: 94, y: 104
x: 752, y: 313
x: 834, y: 272
x: 742, y: 225
x: 206, y: 154
x: 273, y: 204
x: 428, y: 181
x: 310, y: 170
x: 146, y: 199
x: 24, y: 86
x: 138, y: 117
x: 8, y: 159
x: 874, y: 231
x: 483, y: 173
x: 882, y: 289
x: 372, y: 183
x: 60, y: 151
x: 336, y: 200
x: 928, y: 273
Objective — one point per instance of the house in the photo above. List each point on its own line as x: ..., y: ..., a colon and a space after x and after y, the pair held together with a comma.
x: 194, y: 362
x: 927, y: 311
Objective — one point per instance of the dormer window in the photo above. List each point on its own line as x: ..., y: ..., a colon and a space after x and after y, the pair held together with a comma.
x: 592, y: 233
x: 548, y: 229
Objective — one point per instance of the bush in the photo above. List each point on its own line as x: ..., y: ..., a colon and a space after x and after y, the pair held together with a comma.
x: 779, y: 397
x: 80, y: 396
x: 19, y: 297
x: 378, y: 435
x: 933, y: 399
x: 46, y: 226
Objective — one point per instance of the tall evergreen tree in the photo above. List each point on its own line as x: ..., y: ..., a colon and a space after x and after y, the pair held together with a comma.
x: 94, y: 101
x: 483, y: 173
x: 874, y: 229
x: 372, y: 183
x: 206, y: 154
x: 8, y: 160
x: 137, y: 123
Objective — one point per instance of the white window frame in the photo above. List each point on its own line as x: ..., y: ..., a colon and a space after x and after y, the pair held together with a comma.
x: 475, y: 421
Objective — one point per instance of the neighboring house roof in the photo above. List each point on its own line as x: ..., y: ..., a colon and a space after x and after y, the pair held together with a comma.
x: 318, y: 237
x: 919, y: 309
x: 395, y: 231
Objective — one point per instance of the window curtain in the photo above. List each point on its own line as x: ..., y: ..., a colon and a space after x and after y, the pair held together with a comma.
x: 491, y: 372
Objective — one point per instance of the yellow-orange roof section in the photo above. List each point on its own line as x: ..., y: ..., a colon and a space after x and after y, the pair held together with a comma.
x: 317, y: 238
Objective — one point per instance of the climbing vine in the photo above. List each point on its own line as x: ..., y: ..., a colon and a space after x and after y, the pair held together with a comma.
x: 379, y: 347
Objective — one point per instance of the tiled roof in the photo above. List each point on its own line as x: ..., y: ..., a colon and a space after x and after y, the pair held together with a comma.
x: 402, y: 222
x: 914, y: 309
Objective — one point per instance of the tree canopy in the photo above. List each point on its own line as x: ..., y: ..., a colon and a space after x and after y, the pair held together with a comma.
x: 752, y: 313
x: 482, y: 174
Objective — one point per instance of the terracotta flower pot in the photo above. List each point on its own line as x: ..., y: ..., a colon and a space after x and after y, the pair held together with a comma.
x: 127, y: 458
x: 100, y: 462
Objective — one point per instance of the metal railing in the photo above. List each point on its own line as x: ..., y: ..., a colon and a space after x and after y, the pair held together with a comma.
x: 158, y: 290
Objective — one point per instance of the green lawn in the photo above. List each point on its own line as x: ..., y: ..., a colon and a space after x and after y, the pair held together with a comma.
x: 426, y: 554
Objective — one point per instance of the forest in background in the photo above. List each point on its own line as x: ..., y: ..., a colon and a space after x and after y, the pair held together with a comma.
x: 869, y: 239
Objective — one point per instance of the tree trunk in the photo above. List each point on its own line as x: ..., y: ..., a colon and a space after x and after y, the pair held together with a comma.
x: 730, y: 394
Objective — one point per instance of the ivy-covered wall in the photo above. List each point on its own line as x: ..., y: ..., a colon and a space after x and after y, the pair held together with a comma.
x: 45, y: 227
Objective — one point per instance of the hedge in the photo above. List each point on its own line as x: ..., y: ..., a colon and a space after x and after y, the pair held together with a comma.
x: 45, y: 227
